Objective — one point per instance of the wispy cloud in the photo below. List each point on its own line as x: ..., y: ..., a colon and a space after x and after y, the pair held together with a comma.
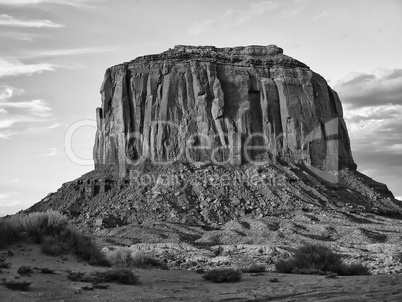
x: 254, y: 10
x: 7, y: 134
x: 36, y: 2
x: 14, y: 68
x: 200, y: 27
x: 41, y: 129
x: 13, y: 112
x: 323, y: 15
x: 291, y: 13
x: 36, y: 107
x: 67, y: 52
x: 52, y: 152
x: 233, y: 17
x: 6, y: 20
x: 7, y: 195
x: 20, y: 36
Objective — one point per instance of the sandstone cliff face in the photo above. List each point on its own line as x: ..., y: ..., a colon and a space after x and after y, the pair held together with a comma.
x: 207, y: 104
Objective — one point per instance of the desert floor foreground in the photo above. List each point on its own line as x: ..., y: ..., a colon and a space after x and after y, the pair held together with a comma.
x: 175, y: 285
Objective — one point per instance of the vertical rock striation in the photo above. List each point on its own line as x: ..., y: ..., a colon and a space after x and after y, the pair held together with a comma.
x: 222, y: 105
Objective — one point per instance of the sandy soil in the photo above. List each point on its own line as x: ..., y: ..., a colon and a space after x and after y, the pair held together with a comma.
x: 176, y: 285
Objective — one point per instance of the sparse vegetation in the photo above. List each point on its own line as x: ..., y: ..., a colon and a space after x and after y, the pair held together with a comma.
x: 54, y: 233
x: 255, y: 268
x: 119, y: 275
x: 317, y: 259
x: 355, y: 269
x: 16, y: 284
x: 124, y: 256
x: 5, y: 265
x: 223, y: 275
x: 25, y: 270
x: 45, y: 270
x: 10, y: 230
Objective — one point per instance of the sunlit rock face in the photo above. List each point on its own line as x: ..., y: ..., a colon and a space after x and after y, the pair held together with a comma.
x: 221, y: 105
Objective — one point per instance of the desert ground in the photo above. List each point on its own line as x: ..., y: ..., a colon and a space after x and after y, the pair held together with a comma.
x: 185, y: 285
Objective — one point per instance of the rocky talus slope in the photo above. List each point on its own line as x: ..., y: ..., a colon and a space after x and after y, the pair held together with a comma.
x: 229, y: 147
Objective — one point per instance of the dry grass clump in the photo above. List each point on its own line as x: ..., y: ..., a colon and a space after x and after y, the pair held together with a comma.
x: 10, y: 230
x: 40, y: 224
x: 25, y: 270
x: 254, y: 268
x: 16, y: 284
x: 223, y: 275
x: 315, y: 259
x: 124, y: 256
x: 54, y: 233
x: 119, y: 275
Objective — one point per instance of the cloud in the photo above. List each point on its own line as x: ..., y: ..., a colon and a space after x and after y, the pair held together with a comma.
x: 36, y: 107
x: 291, y: 13
x: 37, y: 2
x: 52, y: 152
x: 233, y: 17
x: 381, y: 87
x: 6, y: 20
x: 19, y: 36
x: 373, y: 113
x: 41, y: 129
x: 200, y: 27
x: 254, y: 10
x: 7, y: 134
x: 323, y: 15
x: 14, y: 68
x: 5, y: 195
x: 67, y: 52
x: 13, y: 112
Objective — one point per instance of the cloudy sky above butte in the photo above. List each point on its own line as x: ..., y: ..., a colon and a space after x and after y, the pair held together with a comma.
x: 53, y: 55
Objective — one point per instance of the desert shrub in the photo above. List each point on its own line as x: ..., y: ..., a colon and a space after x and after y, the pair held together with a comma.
x: 124, y: 256
x: 40, y: 224
x: 118, y: 256
x: 45, y: 270
x: 315, y: 259
x: 255, y: 268
x: 52, y: 246
x: 24, y: 270
x: 125, y: 276
x: 16, y: 284
x: 223, y: 275
x: 55, y: 234
x: 5, y: 265
x: 141, y: 260
x: 119, y: 275
x: 355, y: 269
x: 10, y: 230
x: 86, y: 248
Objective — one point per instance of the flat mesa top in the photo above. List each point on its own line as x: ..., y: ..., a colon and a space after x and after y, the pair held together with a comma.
x: 252, y: 55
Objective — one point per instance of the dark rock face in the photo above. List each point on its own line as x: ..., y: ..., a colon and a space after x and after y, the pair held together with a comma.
x: 220, y: 105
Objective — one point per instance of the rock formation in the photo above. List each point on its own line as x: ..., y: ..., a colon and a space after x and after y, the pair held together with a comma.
x: 242, y: 132
x: 220, y: 105
x: 243, y: 151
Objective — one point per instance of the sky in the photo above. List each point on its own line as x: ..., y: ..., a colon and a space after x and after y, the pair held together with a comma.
x: 53, y: 55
